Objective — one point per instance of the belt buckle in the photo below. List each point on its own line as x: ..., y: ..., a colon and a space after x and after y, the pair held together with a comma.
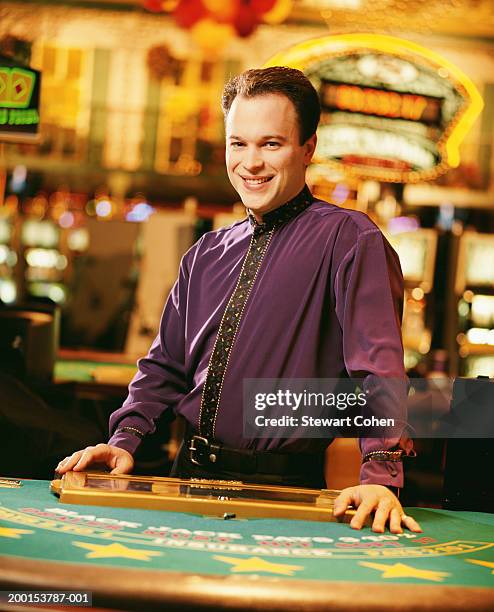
x: 195, y: 447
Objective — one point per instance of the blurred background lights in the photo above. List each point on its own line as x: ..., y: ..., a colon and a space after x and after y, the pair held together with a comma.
x: 103, y: 208
x: 398, y: 225
x: 56, y: 293
x: 11, y: 259
x: 78, y: 239
x: 90, y: 208
x: 5, y: 230
x: 66, y: 220
x: 446, y: 216
x: 18, y: 180
x: 4, y: 252
x: 61, y: 262
x: 417, y: 293
x: 46, y: 258
x: 140, y: 212
x: 39, y: 233
x: 8, y: 291
x: 38, y: 207
x: 478, y: 335
x: 463, y: 309
x: 340, y: 193
x: 483, y: 309
x: 7, y: 256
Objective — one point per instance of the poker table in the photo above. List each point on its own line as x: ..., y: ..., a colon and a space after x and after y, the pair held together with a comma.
x: 135, y: 559
x: 94, y: 374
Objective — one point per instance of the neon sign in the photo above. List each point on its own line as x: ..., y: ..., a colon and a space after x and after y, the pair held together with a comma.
x: 19, y: 102
x: 380, y: 102
x: 392, y: 110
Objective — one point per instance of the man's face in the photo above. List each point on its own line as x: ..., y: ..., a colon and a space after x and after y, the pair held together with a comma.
x: 264, y: 158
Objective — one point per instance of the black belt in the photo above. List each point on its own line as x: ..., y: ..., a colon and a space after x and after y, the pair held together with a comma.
x: 214, y: 456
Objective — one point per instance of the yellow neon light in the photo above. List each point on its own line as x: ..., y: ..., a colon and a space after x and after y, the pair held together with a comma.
x: 312, y: 51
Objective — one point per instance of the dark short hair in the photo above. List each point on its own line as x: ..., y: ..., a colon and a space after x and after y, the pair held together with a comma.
x: 282, y: 80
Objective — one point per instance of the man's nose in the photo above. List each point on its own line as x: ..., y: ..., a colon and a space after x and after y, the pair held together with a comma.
x: 253, y: 159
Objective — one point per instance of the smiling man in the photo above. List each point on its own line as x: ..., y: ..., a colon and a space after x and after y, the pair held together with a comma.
x: 266, y: 167
x: 299, y: 289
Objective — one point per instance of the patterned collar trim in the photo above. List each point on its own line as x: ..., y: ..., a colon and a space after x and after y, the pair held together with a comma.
x: 283, y: 214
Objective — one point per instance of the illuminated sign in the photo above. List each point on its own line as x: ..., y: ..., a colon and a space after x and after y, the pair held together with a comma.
x: 383, y: 103
x: 391, y: 110
x: 19, y: 102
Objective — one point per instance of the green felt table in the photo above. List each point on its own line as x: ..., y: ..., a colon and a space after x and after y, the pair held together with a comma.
x: 144, y: 559
x: 100, y: 377
x: 86, y: 370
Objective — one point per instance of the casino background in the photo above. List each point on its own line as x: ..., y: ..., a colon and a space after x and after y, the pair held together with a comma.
x: 112, y: 165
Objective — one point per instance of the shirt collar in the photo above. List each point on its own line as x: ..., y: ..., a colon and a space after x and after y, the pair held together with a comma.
x: 282, y: 214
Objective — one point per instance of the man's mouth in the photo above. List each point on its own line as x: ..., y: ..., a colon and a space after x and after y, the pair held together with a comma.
x: 257, y: 180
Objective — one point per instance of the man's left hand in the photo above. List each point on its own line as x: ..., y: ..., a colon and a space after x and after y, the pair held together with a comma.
x: 380, y: 500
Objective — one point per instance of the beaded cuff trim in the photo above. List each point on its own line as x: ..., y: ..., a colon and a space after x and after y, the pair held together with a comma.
x: 383, y: 456
x: 132, y: 430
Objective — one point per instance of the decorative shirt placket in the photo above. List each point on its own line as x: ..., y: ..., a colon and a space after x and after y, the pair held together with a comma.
x: 228, y: 329
x: 230, y: 322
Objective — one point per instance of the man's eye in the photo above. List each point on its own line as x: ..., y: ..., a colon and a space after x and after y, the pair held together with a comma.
x: 271, y: 144
x: 236, y: 145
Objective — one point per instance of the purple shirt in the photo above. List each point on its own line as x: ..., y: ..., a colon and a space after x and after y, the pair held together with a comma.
x: 326, y: 303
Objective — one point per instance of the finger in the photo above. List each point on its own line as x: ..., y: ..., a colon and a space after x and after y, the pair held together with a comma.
x: 341, y: 503
x: 123, y: 464
x: 411, y: 523
x: 92, y: 454
x: 68, y: 463
x: 382, y: 514
x: 364, y: 510
x: 60, y: 468
x: 395, y: 520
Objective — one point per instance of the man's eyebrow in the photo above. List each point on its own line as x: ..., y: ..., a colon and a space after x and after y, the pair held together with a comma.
x: 274, y: 137
x: 268, y: 137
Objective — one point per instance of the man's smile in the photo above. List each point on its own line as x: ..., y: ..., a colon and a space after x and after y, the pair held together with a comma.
x: 255, y: 181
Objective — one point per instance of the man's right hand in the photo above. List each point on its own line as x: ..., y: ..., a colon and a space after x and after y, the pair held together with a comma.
x: 119, y: 460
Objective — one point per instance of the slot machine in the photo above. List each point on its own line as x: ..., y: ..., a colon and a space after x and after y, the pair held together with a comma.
x: 8, y: 260
x: 44, y: 261
x: 474, y: 289
x: 417, y: 252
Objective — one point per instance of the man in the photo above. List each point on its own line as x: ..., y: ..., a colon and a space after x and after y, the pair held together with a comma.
x: 300, y: 289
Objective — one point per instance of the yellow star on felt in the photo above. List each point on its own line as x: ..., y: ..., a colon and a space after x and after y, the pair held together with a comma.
x: 488, y: 564
x: 256, y: 564
x: 105, y: 551
x: 10, y: 532
x: 400, y: 570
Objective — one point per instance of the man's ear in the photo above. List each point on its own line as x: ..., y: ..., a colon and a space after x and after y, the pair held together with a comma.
x: 310, y: 147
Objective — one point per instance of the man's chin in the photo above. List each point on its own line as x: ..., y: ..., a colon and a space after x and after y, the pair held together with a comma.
x: 254, y: 204
x: 260, y: 204
x: 255, y: 199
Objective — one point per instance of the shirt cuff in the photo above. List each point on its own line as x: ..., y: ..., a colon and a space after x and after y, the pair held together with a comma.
x: 387, y: 473
x: 125, y: 440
